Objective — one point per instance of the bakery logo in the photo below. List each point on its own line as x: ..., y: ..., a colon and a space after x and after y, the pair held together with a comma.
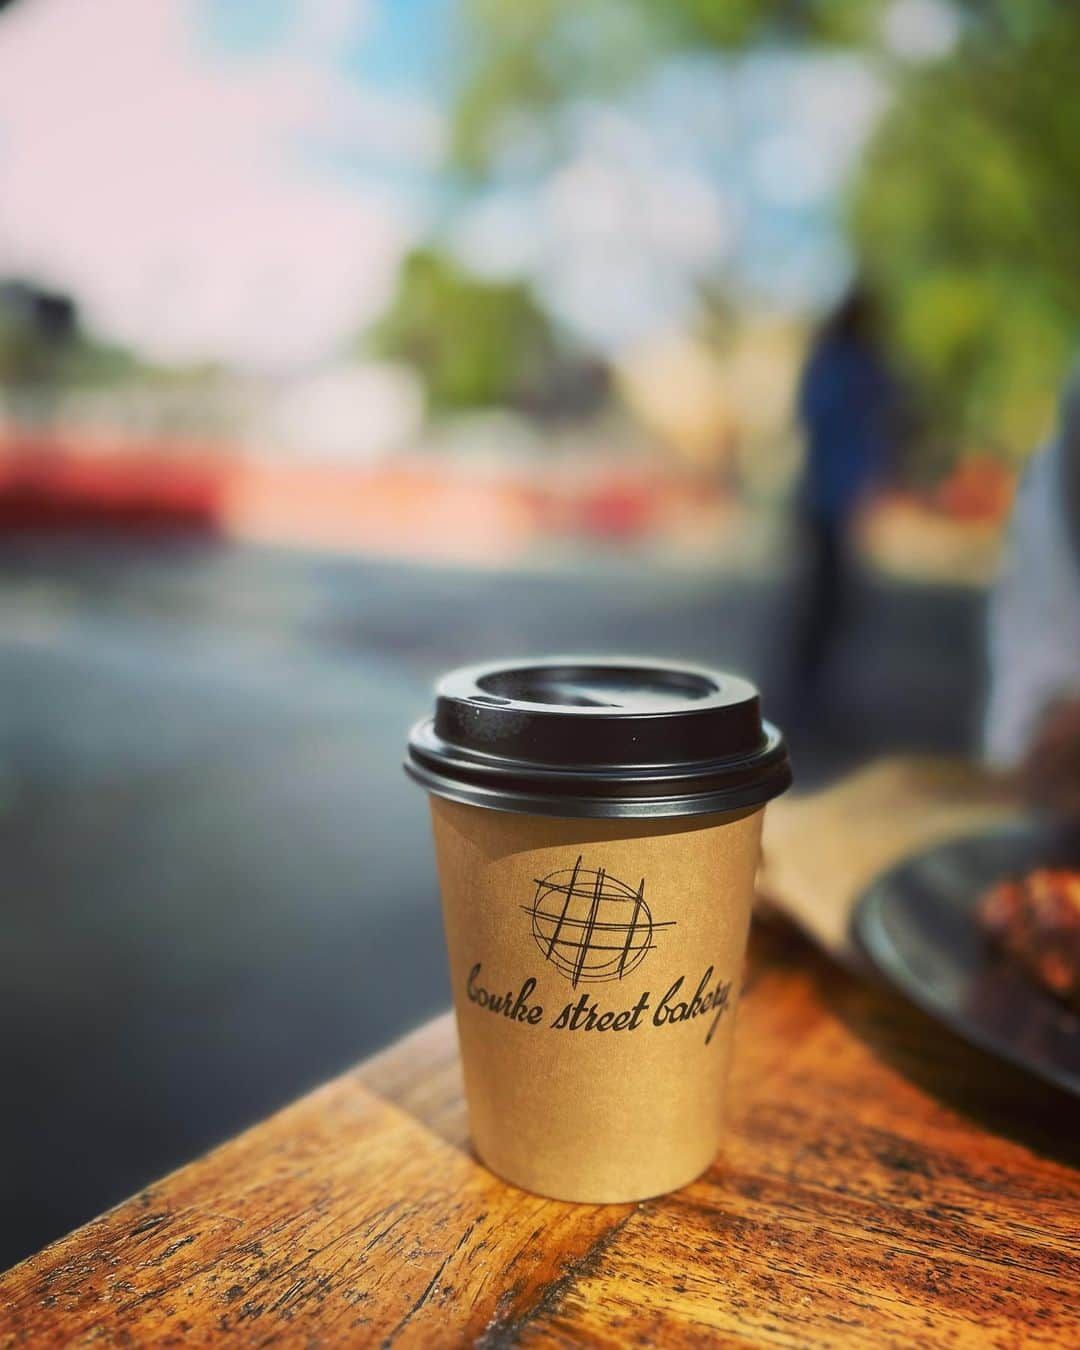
x: 593, y: 928
x: 590, y: 926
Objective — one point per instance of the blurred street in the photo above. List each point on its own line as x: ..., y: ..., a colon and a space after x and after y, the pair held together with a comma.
x: 215, y: 866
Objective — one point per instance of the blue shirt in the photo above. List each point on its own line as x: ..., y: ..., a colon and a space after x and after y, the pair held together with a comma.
x: 846, y: 404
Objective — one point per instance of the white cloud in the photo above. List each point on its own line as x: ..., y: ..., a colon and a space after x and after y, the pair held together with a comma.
x: 166, y: 186
x: 323, y: 27
x: 500, y: 237
x: 625, y: 241
x: 367, y: 124
x: 921, y: 30
x: 613, y: 238
x: 791, y: 169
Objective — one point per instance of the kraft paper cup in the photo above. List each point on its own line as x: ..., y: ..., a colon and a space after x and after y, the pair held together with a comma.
x: 596, y: 938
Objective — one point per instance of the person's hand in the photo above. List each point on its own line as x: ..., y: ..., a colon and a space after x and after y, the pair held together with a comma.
x: 1050, y: 774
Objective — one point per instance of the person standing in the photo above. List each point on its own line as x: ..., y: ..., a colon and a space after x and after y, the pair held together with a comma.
x: 847, y: 405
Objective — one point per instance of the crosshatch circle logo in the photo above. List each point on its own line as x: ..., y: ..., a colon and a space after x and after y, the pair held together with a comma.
x: 591, y: 926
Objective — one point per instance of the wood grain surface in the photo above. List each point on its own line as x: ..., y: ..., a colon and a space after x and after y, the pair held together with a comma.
x: 882, y: 1184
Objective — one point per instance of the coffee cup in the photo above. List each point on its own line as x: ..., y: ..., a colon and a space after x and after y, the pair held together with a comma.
x: 597, y: 826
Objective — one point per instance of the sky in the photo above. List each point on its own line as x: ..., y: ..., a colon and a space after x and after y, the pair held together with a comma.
x: 215, y: 181
x: 713, y: 169
x: 238, y: 182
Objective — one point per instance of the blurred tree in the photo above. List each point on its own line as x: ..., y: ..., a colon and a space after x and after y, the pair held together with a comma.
x: 527, y: 56
x: 476, y: 343
x: 42, y: 344
x: 966, y: 214
x: 37, y: 329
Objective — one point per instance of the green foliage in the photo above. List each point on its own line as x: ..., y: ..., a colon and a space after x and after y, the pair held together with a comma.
x: 738, y: 23
x: 476, y: 343
x: 29, y: 358
x: 527, y: 56
x: 965, y: 216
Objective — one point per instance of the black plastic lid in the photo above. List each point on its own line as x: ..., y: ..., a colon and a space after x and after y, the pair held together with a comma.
x: 610, y: 737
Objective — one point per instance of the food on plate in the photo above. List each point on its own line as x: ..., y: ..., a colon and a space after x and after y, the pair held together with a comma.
x: 1036, y: 920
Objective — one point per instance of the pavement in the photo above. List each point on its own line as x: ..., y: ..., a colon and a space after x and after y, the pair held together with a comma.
x: 218, y: 883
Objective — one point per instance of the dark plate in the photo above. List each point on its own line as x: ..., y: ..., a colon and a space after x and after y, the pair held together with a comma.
x: 917, y: 925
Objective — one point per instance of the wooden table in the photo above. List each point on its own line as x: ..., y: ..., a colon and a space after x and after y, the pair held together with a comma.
x: 882, y: 1184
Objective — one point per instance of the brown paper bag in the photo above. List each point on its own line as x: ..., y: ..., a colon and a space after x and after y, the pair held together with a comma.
x: 595, y: 967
